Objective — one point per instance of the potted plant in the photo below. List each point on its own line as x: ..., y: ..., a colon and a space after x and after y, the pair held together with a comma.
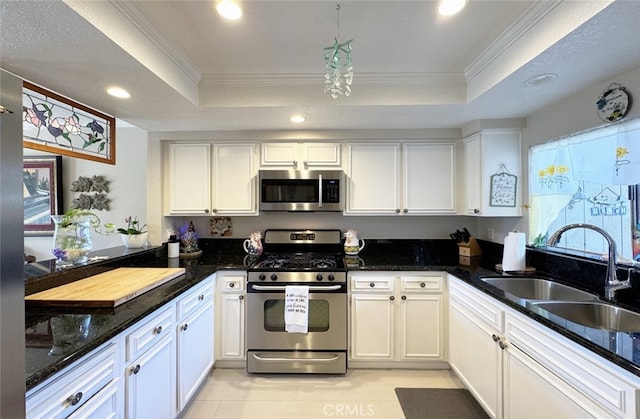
x: 134, y: 235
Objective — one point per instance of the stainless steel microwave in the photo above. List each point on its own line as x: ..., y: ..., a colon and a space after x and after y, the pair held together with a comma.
x: 301, y: 190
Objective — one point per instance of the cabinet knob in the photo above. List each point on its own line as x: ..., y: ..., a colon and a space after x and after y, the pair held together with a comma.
x: 404, y: 297
x: 422, y: 285
x: 184, y: 327
x: 495, y: 338
x: 372, y: 284
x: 74, y: 399
x: 206, y: 211
x: 157, y: 330
x: 232, y: 284
x: 405, y: 210
x: 502, y: 345
x: 295, y: 163
x: 241, y: 297
x: 392, y: 298
x: 135, y: 369
x: 476, y: 211
x: 200, y: 297
x: 397, y: 210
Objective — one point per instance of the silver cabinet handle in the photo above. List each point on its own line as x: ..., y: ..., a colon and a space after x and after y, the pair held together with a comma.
x: 232, y: 284
x: 495, y: 338
x: 206, y: 211
x: 157, y: 330
x: 184, y: 327
x: 502, y: 345
x: 372, y: 284
x: 74, y: 399
x: 241, y: 297
x: 200, y: 297
x: 397, y: 210
x: 405, y: 210
x: 404, y: 297
x: 135, y: 369
x: 392, y: 298
x: 422, y: 285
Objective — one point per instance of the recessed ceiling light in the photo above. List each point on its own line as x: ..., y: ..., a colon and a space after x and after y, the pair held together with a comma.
x: 229, y: 9
x: 297, y: 119
x: 451, y: 7
x: 540, y: 79
x: 118, y: 92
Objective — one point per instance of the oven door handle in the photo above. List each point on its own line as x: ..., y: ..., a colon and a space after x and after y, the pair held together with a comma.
x: 269, y: 359
x: 282, y: 288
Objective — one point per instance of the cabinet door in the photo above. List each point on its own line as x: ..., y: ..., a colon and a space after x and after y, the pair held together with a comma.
x: 151, y: 382
x: 475, y: 356
x: 232, y: 327
x: 195, y: 352
x: 429, y: 178
x: 372, y: 324
x: 279, y: 154
x: 189, y: 179
x: 473, y: 176
x: 373, y: 186
x: 527, y: 383
x: 420, y: 327
x: 234, y: 179
x: 320, y: 155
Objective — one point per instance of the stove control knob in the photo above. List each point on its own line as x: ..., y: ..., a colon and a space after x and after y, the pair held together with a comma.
x: 274, y: 277
x: 319, y: 277
x: 331, y: 277
x: 262, y: 277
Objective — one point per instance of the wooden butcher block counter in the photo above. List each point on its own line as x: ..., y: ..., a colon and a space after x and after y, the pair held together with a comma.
x: 107, y: 289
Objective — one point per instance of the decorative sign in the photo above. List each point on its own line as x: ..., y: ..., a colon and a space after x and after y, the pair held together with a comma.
x: 59, y: 125
x: 503, y: 189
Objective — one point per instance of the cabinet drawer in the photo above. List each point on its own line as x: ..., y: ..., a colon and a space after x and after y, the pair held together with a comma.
x: 475, y: 301
x: 195, y: 298
x: 372, y: 283
x: 233, y: 283
x: 149, y: 331
x: 66, y: 392
x: 421, y: 283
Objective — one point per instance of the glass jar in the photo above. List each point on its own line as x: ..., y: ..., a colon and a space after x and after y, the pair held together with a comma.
x: 71, y: 238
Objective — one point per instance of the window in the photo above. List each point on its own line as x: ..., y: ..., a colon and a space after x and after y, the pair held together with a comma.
x: 591, y: 178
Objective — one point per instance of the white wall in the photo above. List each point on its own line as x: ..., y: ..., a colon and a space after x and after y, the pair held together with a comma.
x: 127, y: 188
x: 566, y: 116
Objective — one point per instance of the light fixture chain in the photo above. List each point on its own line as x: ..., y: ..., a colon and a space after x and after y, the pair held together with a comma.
x: 338, y: 20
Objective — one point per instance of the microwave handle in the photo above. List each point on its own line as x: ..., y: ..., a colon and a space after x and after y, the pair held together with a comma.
x: 320, y: 191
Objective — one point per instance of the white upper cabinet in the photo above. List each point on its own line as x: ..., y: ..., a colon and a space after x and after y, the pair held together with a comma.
x: 401, y: 178
x: 493, y: 174
x: 189, y: 178
x: 301, y: 156
x: 205, y: 182
x: 234, y: 179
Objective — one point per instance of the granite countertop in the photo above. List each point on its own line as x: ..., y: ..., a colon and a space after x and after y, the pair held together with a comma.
x: 226, y: 254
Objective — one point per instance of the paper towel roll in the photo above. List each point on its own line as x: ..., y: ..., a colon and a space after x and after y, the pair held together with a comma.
x: 513, y: 258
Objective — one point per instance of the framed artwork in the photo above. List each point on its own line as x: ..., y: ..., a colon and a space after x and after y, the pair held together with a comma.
x: 59, y: 125
x: 42, y: 192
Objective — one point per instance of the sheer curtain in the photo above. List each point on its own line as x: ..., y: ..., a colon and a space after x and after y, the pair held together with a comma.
x: 584, y: 178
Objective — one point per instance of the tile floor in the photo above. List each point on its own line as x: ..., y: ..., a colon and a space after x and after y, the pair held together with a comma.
x: 232, y: 393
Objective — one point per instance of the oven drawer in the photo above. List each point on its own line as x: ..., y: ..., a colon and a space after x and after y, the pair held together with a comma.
x: 372, y: 283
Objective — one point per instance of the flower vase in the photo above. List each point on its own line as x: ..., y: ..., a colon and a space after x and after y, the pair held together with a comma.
x: 71, y: 239
x: 134, y: 241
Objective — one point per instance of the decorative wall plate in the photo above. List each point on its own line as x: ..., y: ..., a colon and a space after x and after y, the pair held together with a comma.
x: 614, y: 103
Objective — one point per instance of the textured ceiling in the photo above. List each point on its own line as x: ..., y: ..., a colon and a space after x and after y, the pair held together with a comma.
x: 187, y: 69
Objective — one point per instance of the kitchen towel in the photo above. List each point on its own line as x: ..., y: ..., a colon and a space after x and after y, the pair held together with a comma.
x: 296, y: 308
x: 513, y: 258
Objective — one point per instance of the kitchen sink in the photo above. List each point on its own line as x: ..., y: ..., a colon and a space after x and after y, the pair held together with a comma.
x: 524, y: 289
x: 593, y: 314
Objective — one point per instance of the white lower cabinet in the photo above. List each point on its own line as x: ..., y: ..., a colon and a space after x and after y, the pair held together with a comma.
x: 516, y: 367
x: 150, y: 369
x: 91, y: 384
x: 195, y: 338
x: 230, y: 319
x: 396, y: 318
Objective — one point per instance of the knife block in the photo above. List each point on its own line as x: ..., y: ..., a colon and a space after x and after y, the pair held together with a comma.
x: 468, y: 250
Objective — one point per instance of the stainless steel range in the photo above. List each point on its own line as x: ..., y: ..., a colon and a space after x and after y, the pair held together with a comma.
x: 312, y: 258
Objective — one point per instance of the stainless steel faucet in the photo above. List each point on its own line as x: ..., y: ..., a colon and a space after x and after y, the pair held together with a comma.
x: 612, y: 284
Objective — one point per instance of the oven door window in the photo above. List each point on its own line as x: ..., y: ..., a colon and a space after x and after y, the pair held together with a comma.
x: 274, y: 315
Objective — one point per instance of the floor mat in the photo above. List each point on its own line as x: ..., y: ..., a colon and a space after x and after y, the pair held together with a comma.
x: 436, y: 403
